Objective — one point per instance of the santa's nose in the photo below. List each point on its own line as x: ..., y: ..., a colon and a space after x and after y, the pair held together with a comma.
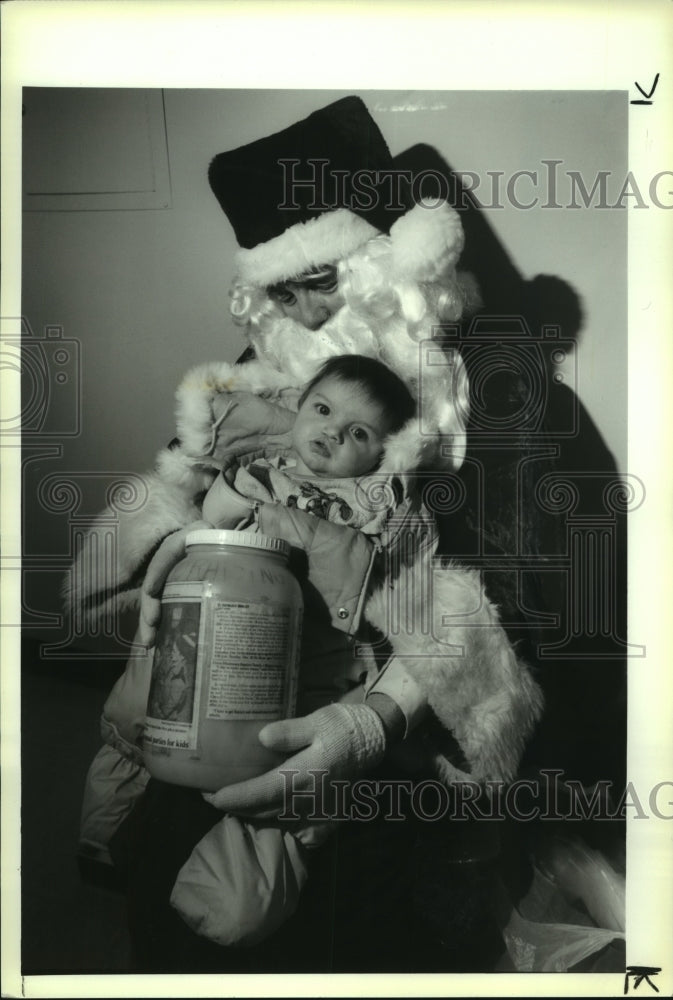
x: 312, y: 310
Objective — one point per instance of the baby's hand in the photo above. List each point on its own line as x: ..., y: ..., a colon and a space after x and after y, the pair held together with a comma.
x: 224, y: 508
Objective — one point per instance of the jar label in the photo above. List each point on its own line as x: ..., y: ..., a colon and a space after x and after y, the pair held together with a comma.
x: 172, y: 705
x: 250, y: 669
x: 219, y: 660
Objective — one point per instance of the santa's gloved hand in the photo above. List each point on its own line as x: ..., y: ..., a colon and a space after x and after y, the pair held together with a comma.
x: 337, y: 742
x: 169, y: 553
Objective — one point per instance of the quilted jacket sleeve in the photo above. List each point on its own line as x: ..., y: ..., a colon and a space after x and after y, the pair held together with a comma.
x: 339, y: 560
x: 117, y: 776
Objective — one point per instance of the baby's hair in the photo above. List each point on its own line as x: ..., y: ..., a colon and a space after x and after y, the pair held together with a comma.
x: 379, y: 382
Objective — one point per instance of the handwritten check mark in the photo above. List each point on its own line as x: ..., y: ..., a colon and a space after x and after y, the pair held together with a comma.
x: 654, y: 87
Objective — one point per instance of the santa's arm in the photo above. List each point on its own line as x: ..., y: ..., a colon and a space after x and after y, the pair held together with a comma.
x: 447, y: 637
x: 221, y: 409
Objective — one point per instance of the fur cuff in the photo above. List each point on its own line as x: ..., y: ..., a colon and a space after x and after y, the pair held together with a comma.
x: 104, y: 575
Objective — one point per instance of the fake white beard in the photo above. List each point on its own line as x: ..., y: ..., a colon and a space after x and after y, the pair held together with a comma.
x: 386, y: 317
x: 298, y: 352
x: 440, y: 389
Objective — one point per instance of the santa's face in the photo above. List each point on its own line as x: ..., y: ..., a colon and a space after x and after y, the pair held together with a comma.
x: 339, y: 432
x: 310, y: 299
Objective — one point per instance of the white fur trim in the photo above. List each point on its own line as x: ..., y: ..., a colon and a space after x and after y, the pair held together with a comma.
x: 323, y: 240
x: 98, y: 572
x: 427, y: 241
x: 464, y: 664
x: 403, y: 451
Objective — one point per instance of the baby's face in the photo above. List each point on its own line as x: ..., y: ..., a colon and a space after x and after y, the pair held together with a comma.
x: 339, y: 432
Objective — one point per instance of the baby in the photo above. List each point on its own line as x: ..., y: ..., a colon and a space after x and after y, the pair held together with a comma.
x: 345, y: 414
x: 254, y: 870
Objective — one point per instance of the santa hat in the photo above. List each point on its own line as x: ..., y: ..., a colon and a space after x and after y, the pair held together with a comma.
x: 317, y: 193
x: 313, y: 193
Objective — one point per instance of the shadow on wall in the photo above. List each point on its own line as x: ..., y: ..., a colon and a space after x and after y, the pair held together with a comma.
x: 539, y: 321
x: 546, y: 301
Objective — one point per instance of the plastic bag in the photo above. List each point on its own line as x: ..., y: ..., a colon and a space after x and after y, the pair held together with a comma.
x: 573, y: 909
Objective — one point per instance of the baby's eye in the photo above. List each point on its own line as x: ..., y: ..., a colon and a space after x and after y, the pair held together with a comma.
x: 359, y: 433
x: 322, y: 409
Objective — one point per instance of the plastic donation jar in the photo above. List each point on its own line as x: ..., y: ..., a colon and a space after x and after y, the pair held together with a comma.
x: 225, y: 660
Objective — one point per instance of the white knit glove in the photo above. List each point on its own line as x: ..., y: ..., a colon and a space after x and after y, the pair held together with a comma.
x: 337, y: 742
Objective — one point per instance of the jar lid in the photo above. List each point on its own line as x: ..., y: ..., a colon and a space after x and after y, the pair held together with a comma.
x: 244, y: 539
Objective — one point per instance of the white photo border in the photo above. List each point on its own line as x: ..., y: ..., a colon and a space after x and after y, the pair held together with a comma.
x: 376, y: 45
